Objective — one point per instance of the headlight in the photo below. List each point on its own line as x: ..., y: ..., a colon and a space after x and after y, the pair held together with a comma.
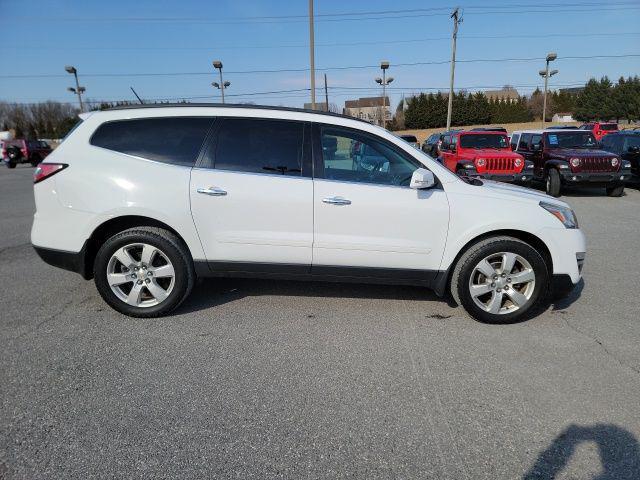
x: 575, y: 162
x: 481, y: 162
x: 517, y: 162
x: 614, y: 162
x: 564, y: 214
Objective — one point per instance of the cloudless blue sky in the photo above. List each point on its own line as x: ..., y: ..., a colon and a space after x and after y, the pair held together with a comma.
x: 145, y: 36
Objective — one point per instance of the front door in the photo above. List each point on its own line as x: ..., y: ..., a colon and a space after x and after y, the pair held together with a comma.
x: 367, y: 221
x: 252, y: 196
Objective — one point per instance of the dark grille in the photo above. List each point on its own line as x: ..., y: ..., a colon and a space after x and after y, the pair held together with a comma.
x: 596, y: 164
x: 500, y: 164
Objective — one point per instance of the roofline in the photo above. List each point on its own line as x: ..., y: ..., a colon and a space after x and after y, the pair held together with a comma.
x: 233, y: 106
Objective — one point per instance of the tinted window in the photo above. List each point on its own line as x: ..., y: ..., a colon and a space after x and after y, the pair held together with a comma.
x: 524, y: 141
x: 260, y: 146
x: 362, y: 158
x: 409, y: 138
x: 631, y: 141
x: 535, y: 139
x: 570, y: 139
x: 609, y: 126
x: 514, y: 140
x: 175, y: 140
x: 483, y: 141
x: 609, y: 143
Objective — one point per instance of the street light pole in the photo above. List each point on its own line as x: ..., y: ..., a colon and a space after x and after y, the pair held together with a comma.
x: 312, y: 56
x: 384, y: 81
x: 78, y: 90
x: 222, y: 85
x: 456, y: 22
x: 546, y: 74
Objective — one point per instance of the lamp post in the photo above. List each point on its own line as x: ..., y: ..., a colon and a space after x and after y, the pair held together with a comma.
x: 384, y: 81
x: 222, y: 85
x: 546, y: 74
x: 78, y: 90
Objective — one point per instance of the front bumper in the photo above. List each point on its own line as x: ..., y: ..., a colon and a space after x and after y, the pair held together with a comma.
x: 595, y: 178
x: 523, y: 177
x: 567, y: 248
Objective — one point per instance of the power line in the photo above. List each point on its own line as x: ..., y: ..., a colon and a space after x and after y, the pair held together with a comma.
x: 336, y: 68
x: 336, y: 44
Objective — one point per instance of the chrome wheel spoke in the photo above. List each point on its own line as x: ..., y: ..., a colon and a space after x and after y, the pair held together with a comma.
x: 163, y: 271
x: 486, y: 269
x: 524, y: 276
x: 135, y: 295
x: 508, y: 262
x: 516, y: 297
x: 495, y: 303
x: 157, y: 291
x: 148, y: 252
x: 477, y: 290
x: 116, y: 279
x: 124, y: 257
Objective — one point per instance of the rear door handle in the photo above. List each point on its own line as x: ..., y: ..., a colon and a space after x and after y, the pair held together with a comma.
x: 336, y: 201
x: 213, y: 191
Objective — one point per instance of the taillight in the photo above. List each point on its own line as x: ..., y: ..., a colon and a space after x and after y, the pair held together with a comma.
x: 45, y: 170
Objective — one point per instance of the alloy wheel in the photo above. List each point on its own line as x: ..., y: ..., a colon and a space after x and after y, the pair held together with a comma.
x: 140, y: 275
x: 502, y: 283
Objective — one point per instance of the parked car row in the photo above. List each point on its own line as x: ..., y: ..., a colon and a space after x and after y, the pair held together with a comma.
x: 596, y: 154
x: 19, y: 151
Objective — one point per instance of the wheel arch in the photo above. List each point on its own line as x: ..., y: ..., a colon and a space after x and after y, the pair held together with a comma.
x: 442, y: 282
x: 113, y: 226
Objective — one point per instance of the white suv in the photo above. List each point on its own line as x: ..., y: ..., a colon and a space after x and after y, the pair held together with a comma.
x: 146, y: 199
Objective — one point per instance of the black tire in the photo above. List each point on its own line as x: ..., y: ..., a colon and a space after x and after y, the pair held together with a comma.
x: 171, y: 246
x: 615, y: 191
x: 554, y: 186
x: 35, y: 161
x: 465, y: 268
x: 461, y: 172
x: 11, y: 164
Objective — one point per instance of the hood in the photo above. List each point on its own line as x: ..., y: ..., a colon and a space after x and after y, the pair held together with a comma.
x: 515, y: 192
x: 578, y: 152
x: 491, y: 153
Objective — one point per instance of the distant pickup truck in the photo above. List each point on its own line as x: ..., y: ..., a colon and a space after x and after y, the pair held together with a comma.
x: 485, y: 154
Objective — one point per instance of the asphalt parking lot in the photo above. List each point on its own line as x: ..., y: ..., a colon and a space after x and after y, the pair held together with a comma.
x: 256, y: 379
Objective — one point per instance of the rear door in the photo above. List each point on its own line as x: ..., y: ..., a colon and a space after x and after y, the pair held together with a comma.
x: 252, y: 196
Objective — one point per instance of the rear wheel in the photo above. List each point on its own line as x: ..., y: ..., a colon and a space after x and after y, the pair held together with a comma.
x: 35, y: 160
x: 553, y: 183
x: 615, y: 191
x: 144, y: 272
x: 11, y: 164
x: 499, y: 280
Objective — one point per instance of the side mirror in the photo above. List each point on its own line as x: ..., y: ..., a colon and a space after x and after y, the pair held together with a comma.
x: 535, y: 147
x: 452, y: 147
x: 422, y: 178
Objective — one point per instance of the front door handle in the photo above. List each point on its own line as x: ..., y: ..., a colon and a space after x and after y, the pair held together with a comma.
x: 213, y: 191
x: 336, y: 201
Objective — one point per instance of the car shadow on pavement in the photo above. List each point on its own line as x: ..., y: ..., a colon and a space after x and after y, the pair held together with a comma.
x: 618, y: 449
x: 213, y: 292
x: 566, y: 302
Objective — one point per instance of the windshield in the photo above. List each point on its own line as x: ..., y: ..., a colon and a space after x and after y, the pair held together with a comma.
x: 571, y: 140
x: 483, y: 141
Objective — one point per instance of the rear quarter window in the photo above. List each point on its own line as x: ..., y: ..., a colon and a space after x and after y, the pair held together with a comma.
x: 174, y: 140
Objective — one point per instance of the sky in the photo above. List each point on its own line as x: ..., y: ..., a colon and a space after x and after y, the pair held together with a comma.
x: 116, y: 44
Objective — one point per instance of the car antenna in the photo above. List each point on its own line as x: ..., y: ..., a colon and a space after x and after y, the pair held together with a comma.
x: 137, y: 96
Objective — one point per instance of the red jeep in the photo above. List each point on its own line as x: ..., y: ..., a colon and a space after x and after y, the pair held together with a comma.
x: 600, y: 129
x: 485, y: 154
x: 24, y: 151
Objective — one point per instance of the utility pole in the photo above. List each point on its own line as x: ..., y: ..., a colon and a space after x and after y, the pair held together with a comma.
x: 546, y: 74
x: 78, y: 90
x: 137, y: 96
x: 456, y: 21
x: 326, y: 93
x: 312, y: 57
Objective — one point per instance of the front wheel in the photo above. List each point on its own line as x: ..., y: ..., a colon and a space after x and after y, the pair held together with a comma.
x: 144, y: 272
x: 553, y: 183
x: 615, y: 191
x: 35, y: 161
x: 499, y: 280
x: 11, y: 164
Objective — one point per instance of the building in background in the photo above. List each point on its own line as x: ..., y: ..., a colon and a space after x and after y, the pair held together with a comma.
x: 505, y: 94
x: 369, y: 109
x: 562, y: 117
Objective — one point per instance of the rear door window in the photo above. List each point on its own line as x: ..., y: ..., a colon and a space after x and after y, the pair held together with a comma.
x: 259, y: 145
x: 174, y: 140
x: 514, y: 140
x: 524, y: 142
